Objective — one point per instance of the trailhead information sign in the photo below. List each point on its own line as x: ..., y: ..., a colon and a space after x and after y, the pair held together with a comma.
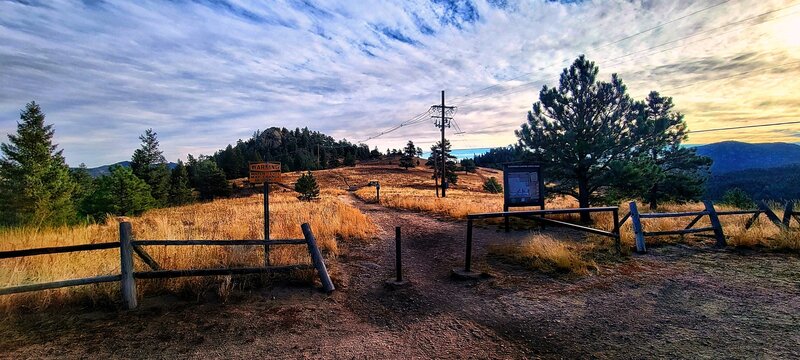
x: 523, y: 185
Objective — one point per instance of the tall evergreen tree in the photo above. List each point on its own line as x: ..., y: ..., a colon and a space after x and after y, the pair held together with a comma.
x: 409, y: 153
x: 35, y: 183
x: 180, y: 192
x: 435, y: 160
x: 84, y: 185
x: 579, y: 129
x: 210, y: 180
x: 118, y: 193
x: 662, y: 170
x: 148, y: 163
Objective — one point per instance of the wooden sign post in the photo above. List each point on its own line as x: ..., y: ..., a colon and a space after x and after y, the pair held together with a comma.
x: 265, y: 173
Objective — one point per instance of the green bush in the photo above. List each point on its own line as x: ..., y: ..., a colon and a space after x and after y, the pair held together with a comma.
x: 492, y: 185
x: 738, y: 198
x: 307, y: 187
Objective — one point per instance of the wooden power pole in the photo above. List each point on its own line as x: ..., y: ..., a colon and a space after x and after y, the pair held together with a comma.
x: 443, y: 121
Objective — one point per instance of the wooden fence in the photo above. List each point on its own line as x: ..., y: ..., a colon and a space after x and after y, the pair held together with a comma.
x: 128, y: 247
x: 713, y: 215
x: 538, y: 215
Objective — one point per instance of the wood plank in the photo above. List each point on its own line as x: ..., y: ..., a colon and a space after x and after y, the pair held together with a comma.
x: 575, y: 226
x: 624, y: 219
x: 57, y: 250
x: 58, y: 284
x: 127, y: 280
x: 678, y: 232
x: 218, y: 242
x: 787, y: 213
x: 539, y: 212
x: 316, y: 258
x: 637, y: 228
x: 694, y: 221
x: 715, y: 223
x: 737, y: 212
x: 770, y: 214
x: 145, y: 257
x: 161, y: 274
x: 673, y: 214
x: 752, y: 220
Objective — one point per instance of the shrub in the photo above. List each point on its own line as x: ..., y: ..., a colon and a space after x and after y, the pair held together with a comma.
x: 492, y: 185
x: 738, y: 198
x: 307, y: 186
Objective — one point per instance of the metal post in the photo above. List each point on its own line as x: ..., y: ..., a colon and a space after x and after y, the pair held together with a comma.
x: 316, y: 258
x: 127, y: 282
x: 266, y: 222
x: 398, y: 254
x: 444, y: 157
x: 378, y: 193
x: 468, y: 262
x: 637, y: 228
x: 506, y: 220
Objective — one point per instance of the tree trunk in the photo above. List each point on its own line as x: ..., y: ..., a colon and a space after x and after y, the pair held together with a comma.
x: 583, y: 200
x: 653, y: 198
x: 436, y: 180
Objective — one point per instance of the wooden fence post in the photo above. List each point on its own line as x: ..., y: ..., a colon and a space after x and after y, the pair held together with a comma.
x: 316, y: 258
x: 718, y: 233
x: 127, y: 282
x: 770, y: 214
x: 618, y: 239
x: 787, y: 214
x: 637, y: 228
x: 266, y: 222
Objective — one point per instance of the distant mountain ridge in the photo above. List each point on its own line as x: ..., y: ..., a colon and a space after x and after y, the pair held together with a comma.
x: 103, y: 169
x: 730, y: 156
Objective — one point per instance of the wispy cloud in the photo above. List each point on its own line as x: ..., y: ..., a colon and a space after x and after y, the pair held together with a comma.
x: 205, y: 73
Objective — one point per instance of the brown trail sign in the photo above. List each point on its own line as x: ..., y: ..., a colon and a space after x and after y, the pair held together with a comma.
x: 269, y: 172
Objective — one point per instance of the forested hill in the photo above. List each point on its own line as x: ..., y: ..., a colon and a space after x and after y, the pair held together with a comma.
x: 299, y: 149
x: 732, y: 156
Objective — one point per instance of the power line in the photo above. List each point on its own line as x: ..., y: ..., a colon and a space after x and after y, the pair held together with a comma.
x: 743, y: 127
x: 419, y: 118
x: 461, y: 98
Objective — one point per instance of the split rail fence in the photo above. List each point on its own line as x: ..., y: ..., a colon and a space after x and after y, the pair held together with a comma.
x: 713, y: 216
x: 128, y: 247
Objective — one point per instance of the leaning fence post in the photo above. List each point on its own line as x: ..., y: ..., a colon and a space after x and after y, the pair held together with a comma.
x: 127, y: 281
x: 316, y: 258
x: 468, y: 261
x: 637, y: 228
x: 618, y: 238
x: 787, y: 214
x: 762, y: 205
x: 712, y: 214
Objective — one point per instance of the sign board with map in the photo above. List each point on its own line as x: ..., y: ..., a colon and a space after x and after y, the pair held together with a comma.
x: 262, y: 172
x: 523, y: 186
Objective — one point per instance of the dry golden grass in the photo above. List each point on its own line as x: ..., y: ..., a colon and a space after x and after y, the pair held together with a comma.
x: 240, y: 218
x: 543, y: 253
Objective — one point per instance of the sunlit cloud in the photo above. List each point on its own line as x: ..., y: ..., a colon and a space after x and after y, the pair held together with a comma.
x: 206, y: 73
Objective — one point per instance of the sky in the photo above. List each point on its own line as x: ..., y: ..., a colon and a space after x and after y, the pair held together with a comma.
x: 205, y: 73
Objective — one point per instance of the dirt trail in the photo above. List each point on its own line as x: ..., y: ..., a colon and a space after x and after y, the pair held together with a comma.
x: 675, y: 303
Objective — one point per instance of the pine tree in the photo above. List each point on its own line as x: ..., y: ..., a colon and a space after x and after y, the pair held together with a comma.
x: 468, y: 165
x: 210, y: 180
x: 179, y: 191
x: 307, y: 186
x: 409, y: 152
x: 435, y: 160
x: 35, y: 183
x: 666, y: 170
x: 349, y: 160
x: 148, y: 163
x: 84, y: 185
x: 491, y: 185
x: 579, y: 129
x: 119, y: 193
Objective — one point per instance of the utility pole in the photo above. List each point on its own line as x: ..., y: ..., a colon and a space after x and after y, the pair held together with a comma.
x: 444, y: 156
x: 444, y: 121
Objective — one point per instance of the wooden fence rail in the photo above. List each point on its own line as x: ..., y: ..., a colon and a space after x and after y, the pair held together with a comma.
x: 713, y: 215
x: 538, y: 215
x: 128, y: 247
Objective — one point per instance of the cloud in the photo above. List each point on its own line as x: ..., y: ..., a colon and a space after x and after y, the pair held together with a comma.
x: 205, y: 73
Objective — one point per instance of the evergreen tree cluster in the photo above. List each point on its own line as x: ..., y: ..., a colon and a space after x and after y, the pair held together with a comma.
x: 296, y: 150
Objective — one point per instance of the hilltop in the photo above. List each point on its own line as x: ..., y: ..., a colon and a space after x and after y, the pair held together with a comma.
x: 732, y: 156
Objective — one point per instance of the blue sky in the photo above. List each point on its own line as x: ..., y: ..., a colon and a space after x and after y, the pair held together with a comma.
x: 206, y: 73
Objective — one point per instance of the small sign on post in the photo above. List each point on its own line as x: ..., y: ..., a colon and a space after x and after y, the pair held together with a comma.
x: 523, y: 186
x: 264, y: 172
